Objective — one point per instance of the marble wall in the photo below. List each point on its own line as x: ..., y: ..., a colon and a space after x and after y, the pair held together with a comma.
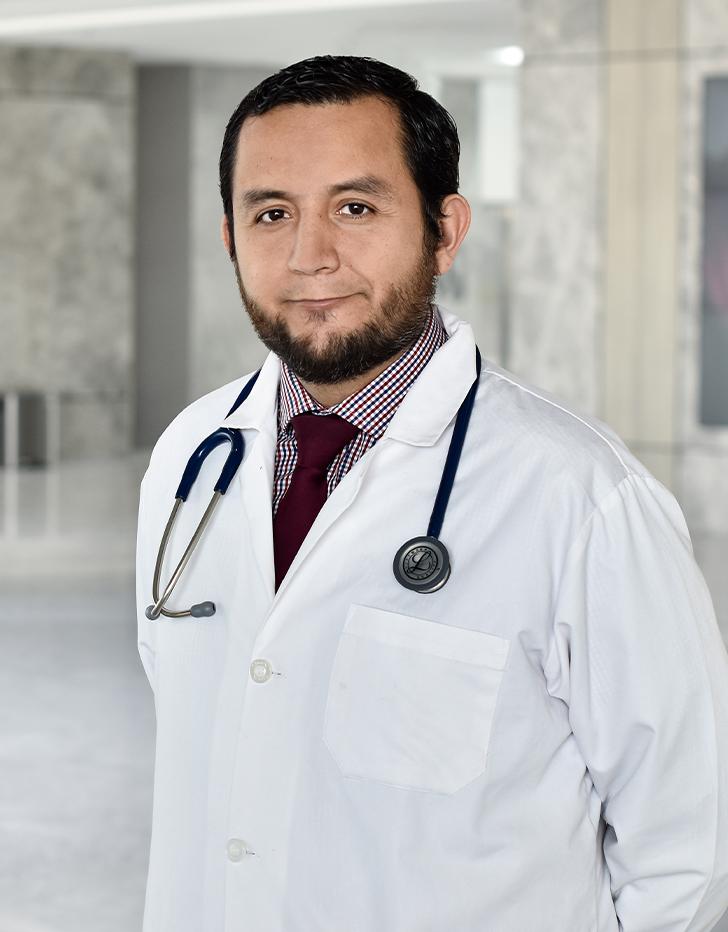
x: 557, y: 238
x: 642, y: 155
x: 66, y: 167
x: 607, y: 236
x: 706, y: 27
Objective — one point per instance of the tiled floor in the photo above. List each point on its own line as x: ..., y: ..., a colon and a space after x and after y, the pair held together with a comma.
x: 76, y: 712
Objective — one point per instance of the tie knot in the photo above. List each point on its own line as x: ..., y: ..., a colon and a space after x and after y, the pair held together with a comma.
x: 320, y: 437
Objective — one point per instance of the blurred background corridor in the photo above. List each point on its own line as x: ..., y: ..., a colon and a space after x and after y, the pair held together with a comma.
x: 595, y: 156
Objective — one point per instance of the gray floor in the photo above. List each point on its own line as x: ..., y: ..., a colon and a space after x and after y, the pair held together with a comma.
x: 76, y: 712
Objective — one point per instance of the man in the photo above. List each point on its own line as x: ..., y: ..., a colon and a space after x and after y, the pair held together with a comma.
x: 536, y: 743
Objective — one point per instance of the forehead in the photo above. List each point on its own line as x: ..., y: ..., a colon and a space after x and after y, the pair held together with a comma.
x: 321, y: 141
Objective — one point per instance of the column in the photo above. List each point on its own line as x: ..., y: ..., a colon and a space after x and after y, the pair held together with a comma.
x: 641, y: 241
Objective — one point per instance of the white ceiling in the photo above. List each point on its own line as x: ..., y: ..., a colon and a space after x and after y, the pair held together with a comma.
x: 444, y: 35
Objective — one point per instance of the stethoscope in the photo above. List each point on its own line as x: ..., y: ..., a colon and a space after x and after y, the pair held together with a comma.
x: 422, y: 564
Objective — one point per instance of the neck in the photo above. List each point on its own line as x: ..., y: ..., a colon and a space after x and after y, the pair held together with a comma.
x: 330, y: 395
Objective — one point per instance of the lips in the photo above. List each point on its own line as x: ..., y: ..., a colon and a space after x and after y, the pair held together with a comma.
x: 319, y: 302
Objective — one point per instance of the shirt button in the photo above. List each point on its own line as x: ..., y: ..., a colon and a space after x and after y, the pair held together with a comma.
x: 236, y: 850
x: 261, y: 671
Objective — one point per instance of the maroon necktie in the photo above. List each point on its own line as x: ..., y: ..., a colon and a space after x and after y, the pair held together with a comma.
x: 319, y: 439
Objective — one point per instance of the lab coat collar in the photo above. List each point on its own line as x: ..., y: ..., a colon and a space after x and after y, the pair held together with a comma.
x: 425, y: 412
x: 434, y: 399
x: 255, y: 412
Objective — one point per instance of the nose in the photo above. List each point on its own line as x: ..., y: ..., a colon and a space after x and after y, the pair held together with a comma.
x: 314, y: 245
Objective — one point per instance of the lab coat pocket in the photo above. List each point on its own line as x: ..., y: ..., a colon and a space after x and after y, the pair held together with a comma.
x: 411, y: 702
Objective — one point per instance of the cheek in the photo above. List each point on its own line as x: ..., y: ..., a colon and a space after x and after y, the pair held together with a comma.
x: 256, y: 271
x: 377, y: 254
x: 263, y: 261
x: 393, y: 259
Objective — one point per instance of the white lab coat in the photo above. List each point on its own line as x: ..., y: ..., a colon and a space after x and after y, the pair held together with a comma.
x: 538, y: 747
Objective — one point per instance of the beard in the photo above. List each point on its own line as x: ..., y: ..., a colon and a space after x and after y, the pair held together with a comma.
x: 397, y: 322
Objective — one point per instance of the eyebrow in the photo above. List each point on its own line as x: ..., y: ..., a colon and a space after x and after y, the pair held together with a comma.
x: 259, y: 195
x: 366, y: 184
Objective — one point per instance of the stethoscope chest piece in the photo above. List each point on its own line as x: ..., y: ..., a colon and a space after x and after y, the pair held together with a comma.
x: 422, y: 564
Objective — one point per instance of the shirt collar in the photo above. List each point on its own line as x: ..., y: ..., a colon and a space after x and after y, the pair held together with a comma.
x: 425, y: 411
x: 373, y: 406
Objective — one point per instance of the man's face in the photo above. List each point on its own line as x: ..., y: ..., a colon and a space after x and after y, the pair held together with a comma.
x: 329, y: 237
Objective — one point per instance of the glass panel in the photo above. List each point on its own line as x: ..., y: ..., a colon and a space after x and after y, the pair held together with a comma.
x: 714, y: 388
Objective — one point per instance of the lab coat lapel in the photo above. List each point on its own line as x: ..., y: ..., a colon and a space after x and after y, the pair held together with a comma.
x: 257, y: 419
x: 335, y: 506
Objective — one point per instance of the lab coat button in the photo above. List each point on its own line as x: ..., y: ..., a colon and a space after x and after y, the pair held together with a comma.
x: 236, y: 850
x: 261, y: 671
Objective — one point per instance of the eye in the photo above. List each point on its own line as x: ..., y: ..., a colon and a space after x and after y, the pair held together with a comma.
x: 355, y: 209
x: 273, y: 215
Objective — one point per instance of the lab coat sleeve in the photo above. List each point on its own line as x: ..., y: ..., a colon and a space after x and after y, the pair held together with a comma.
x: 638, y: 658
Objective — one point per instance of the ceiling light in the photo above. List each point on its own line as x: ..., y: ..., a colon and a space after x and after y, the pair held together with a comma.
x: 510, y: 55
x: 161, y: 14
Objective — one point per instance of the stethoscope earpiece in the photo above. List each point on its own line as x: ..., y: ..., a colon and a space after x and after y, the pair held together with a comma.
x: 203, y: 610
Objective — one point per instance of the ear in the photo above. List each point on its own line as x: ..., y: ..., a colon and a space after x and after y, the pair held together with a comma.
x: 226, y: 238
x: 454, y: 224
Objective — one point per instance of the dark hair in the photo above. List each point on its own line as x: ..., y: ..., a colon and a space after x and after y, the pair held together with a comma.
x: 429, y: 136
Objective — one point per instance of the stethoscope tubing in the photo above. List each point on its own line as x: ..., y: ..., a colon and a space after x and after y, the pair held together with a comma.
x: 409, y: 561
x: 453, y: 455
x: 192, y: 470
x: 204, y: 608
x: 194, y: 464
